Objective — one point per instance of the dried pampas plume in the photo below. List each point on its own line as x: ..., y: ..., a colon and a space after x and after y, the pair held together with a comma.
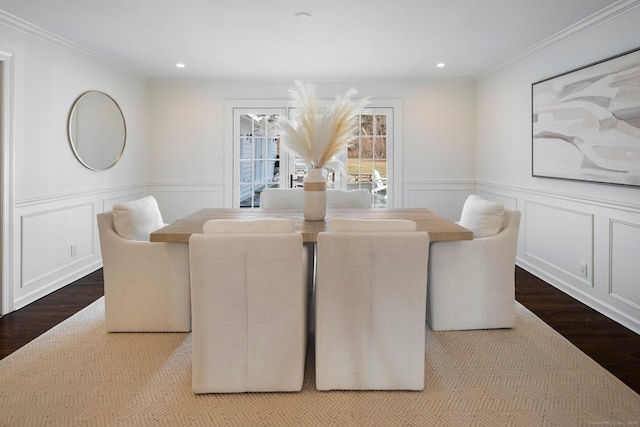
x: 318, y: 134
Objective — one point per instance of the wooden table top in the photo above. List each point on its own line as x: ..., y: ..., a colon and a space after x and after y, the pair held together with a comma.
x: 439, y: 228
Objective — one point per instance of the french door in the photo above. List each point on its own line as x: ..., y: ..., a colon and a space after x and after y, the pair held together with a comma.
x: 368, y: 157
x: 258, y: 164
x: 259, y: 160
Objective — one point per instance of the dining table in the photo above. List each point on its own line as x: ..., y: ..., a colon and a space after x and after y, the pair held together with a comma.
x: 438, y: 227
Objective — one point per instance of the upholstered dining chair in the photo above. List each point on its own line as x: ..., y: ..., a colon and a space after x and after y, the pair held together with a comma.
x: 293, y: 198
x: 471, y: 282
x: 146, y: 284
x: 348, y: 199
x: 249, y: 305
x: 370, y: 305
x: 285, y: 198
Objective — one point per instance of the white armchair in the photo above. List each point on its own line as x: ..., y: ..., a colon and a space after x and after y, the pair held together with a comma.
x: 249, y: 303
x: 370, y: 305
x: 146, y: 285
x: 471, y: 282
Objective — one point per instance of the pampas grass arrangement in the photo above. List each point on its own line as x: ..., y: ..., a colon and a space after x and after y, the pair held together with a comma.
x: 317, y: 134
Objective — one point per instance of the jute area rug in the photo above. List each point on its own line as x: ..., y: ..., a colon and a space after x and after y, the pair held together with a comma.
x: 78, y: 375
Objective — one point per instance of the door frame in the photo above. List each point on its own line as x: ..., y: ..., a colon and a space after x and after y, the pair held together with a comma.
x: 6, y: 180
x: 230, y: 153
x: 395, y: 166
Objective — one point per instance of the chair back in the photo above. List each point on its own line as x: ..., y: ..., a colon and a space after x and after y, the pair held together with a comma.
x: 511, y: 227
x: 370, y: 305
x: 348, y: 199
x: 105, y: 226
x: 249, y: 307
x: 471, y: 282
x: 289, y: 198
x: 282, y: 198
x: 146, y: 284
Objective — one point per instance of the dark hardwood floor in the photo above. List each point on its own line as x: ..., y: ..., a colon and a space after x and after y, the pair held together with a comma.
x: 613, y: 346
x: 21, y: 326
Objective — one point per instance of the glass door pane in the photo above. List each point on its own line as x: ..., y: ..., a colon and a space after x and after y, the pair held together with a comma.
x: 367, y: 158
x: 257, y: 145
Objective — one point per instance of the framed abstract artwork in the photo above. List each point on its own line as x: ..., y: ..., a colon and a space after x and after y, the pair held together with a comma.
x: 586, y: 123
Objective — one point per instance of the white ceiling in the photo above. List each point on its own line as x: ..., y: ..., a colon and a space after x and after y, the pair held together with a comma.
x: 376, y: 39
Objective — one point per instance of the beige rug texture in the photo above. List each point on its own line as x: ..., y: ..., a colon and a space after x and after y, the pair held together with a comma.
x: 78, y: 375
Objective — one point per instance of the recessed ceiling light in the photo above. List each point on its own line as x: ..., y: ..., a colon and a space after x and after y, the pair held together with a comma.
x: 180, y: 65
x: 440, y: 64
x: 303, y: 16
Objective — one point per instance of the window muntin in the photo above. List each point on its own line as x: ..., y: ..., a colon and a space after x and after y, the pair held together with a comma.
x: 259, y: 161
x: 367, y: 157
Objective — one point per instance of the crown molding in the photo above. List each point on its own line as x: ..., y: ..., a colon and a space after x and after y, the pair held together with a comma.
x: 608, y: 13
x: 48, y: 37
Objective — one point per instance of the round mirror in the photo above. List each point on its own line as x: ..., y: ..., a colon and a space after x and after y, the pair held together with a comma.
x: 97, y: 131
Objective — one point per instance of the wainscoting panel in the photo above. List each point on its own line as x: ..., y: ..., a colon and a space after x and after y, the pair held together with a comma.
x: 177, y: 200
x: 445, y: 198
x: 560, y: 238
x: 508, y: 202
x: 56, y: 240
x: 624, y: 257
x: 587, y: 248
x: 111, y: 200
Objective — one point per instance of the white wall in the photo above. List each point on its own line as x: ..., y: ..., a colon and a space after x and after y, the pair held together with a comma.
x: 565, y: 223
x: 187, y: 161
x: 56, y: 198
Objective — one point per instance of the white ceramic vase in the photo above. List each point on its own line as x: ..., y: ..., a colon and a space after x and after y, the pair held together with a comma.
x: 315, y: 195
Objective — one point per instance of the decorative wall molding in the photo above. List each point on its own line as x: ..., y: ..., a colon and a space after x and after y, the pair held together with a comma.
x: 629, y: 320
x: 55, y: 198
x: 442, y: 196
x: 624, y: 247
x: 123, y: 196
x: 599, y: 18
x: 604, y: 289
x: 179, y: 199
x: 46, y: 36
x: 630, y: 207
x: 551, y: 236
x: 509, y: 202
x: 186, y: 186
x: 59, y: 226
x: 7, y: 179
x: 604, y: 234
x: 55, y: 239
